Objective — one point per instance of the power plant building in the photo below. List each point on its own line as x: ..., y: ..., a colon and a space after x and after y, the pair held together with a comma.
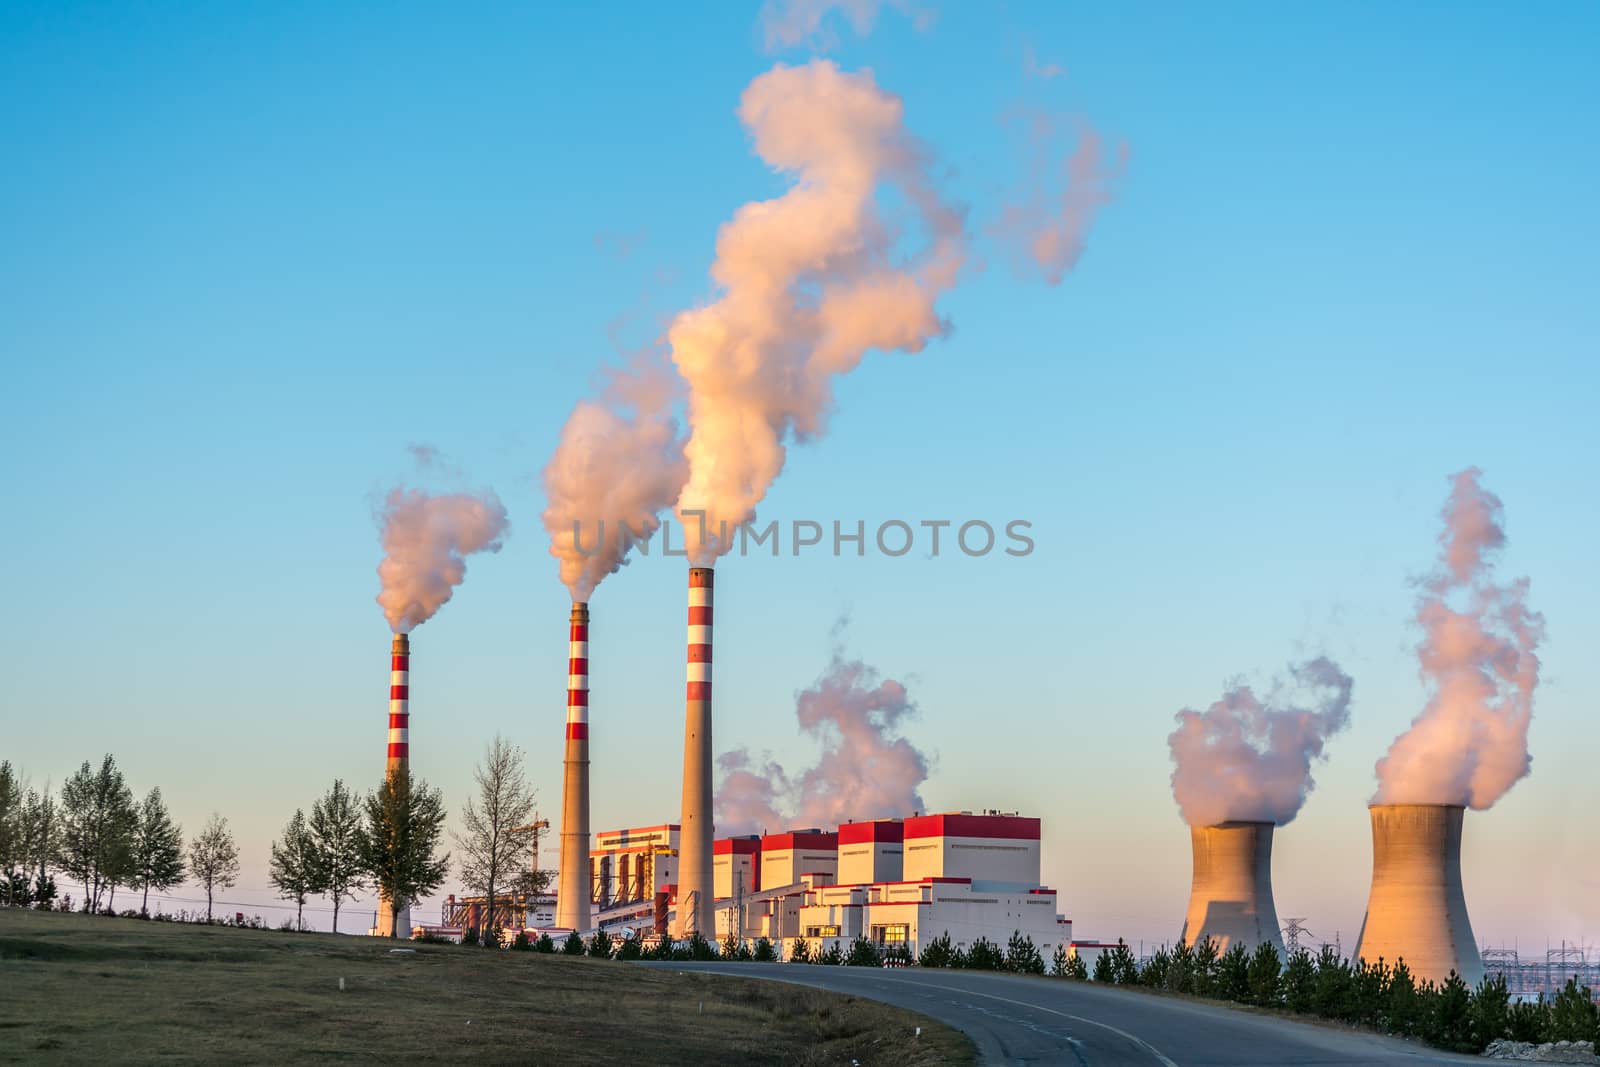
x: 901, y: 883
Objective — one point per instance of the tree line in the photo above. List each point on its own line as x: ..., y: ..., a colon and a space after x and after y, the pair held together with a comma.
x: 96, y: 833
x: 1448, y: 1015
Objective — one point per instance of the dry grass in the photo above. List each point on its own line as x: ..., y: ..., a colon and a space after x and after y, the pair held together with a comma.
x: 80, y: 989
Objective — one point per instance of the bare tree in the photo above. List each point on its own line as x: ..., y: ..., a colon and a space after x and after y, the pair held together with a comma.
x: 495, y: 835
x: 214, y: 858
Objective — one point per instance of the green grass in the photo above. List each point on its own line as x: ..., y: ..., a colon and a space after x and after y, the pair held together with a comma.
x: 76, y: 989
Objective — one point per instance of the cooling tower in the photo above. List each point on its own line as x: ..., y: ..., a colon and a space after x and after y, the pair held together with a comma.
x: 572, y: 895
x: 399, y: 759
x: 694, y: 839
x: 1417, y: 910
x: 1231, y: 899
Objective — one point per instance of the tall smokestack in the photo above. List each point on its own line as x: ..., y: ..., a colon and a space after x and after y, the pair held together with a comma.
x: 695, y: 900
x: 1231, y: 899
x: 1417, y: 910
x: 399, y: 758
x: 572, y: 897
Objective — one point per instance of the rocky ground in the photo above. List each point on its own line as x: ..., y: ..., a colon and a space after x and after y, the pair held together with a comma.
x: 1555, y: 1052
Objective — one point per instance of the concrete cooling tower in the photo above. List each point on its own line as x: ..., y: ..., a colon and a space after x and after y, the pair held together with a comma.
x: 1417, y: 910
x: 1231, y: 899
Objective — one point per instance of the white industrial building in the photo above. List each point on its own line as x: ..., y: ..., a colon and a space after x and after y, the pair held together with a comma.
x: 895, y: 882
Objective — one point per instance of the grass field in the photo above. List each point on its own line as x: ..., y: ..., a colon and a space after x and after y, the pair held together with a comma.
x: 76, y: 989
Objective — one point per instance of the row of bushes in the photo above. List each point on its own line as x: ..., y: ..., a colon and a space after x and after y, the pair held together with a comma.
x: 1448, y: 1015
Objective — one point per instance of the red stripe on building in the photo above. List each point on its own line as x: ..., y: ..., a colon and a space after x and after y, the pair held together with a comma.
x: 399, y: 692
x: 397, y: 749
x: 799, y: 839
x: 399, y: 663
x: 577, y: 698
x: 699, y: 653
x: 580, y: 631
x: 399, y: 720
x: 700, y: 616
x: 577, y: 731
x: 699, y: 690
x: 887, y: 830
x: 740, y: 846
x: 701, y: 577
x: 1005, y: 827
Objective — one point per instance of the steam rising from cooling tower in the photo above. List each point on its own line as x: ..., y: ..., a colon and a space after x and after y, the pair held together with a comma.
x: 1231, y: 897
x: 426, y: 540
x: 1417, y: 910
x: 808, y: 283
x: 1470, y: 743
x: 1248, y: 758
x: 863, y: 772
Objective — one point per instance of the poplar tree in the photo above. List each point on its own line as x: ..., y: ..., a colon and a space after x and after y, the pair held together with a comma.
x: 337, y: 865
x: 293, y: 869
x: 404, y: 821
x: 157, y: 851
x: 214, y: 858
x: 496, y: 835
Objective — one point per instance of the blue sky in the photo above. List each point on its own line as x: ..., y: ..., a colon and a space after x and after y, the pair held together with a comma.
x: 248, y: 257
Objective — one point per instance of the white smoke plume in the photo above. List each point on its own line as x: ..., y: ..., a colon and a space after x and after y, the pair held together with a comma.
x: 1048, y: 224
x: 809, y: 282
x: 426, y: 540
x: 618, y: 465
x: 786, y: 23
x: 864, y: 770
x: 1250, y: 758
x: 1478, y: 659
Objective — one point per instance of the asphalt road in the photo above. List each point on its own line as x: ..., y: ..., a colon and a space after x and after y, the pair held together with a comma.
x: 1017, y: 1020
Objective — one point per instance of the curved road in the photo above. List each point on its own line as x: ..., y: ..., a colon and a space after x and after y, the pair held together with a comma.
x: 1019, y: 1020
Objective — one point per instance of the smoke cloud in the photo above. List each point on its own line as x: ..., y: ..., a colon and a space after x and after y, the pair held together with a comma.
x: 809, y: 282
x: 1477, y: 657
x: 1250, y: 758
x: 786, y: 23
x: 619, y: 463
x: 426, y: 540
x: 864, y: 770
x: 1048, y: 225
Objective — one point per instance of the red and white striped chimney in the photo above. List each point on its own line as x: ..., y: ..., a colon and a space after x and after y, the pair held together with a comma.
x: 399, y: 757
x: 695, y: 892
x: 572, y: 896
x: 399, y: 703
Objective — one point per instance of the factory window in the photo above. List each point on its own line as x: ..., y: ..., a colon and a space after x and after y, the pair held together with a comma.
x: 822, y: 931
x: 892, y: 934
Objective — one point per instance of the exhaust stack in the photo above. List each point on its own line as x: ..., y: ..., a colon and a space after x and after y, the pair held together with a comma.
x: 399, y: 758
x: 572, y: 894
x: 1417, y: 910
x: 1231, y: 898
x: 695, y: 896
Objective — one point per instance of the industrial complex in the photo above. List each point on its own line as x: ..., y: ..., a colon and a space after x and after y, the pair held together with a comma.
x: 902, y: 882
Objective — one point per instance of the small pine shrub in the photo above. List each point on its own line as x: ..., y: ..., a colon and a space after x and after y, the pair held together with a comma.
x: 1022, y: 957
x: 831, y: 956
x: 937, y: 952
x: 985, y: 955
x: 520, y: 943
x: 764, y: 951
x: 800, y: 951
x: 600, y: 945
x: 573, y: 946
x: 863, y: 953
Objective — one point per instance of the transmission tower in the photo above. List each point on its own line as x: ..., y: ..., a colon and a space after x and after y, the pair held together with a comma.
x: 1293, y: 930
